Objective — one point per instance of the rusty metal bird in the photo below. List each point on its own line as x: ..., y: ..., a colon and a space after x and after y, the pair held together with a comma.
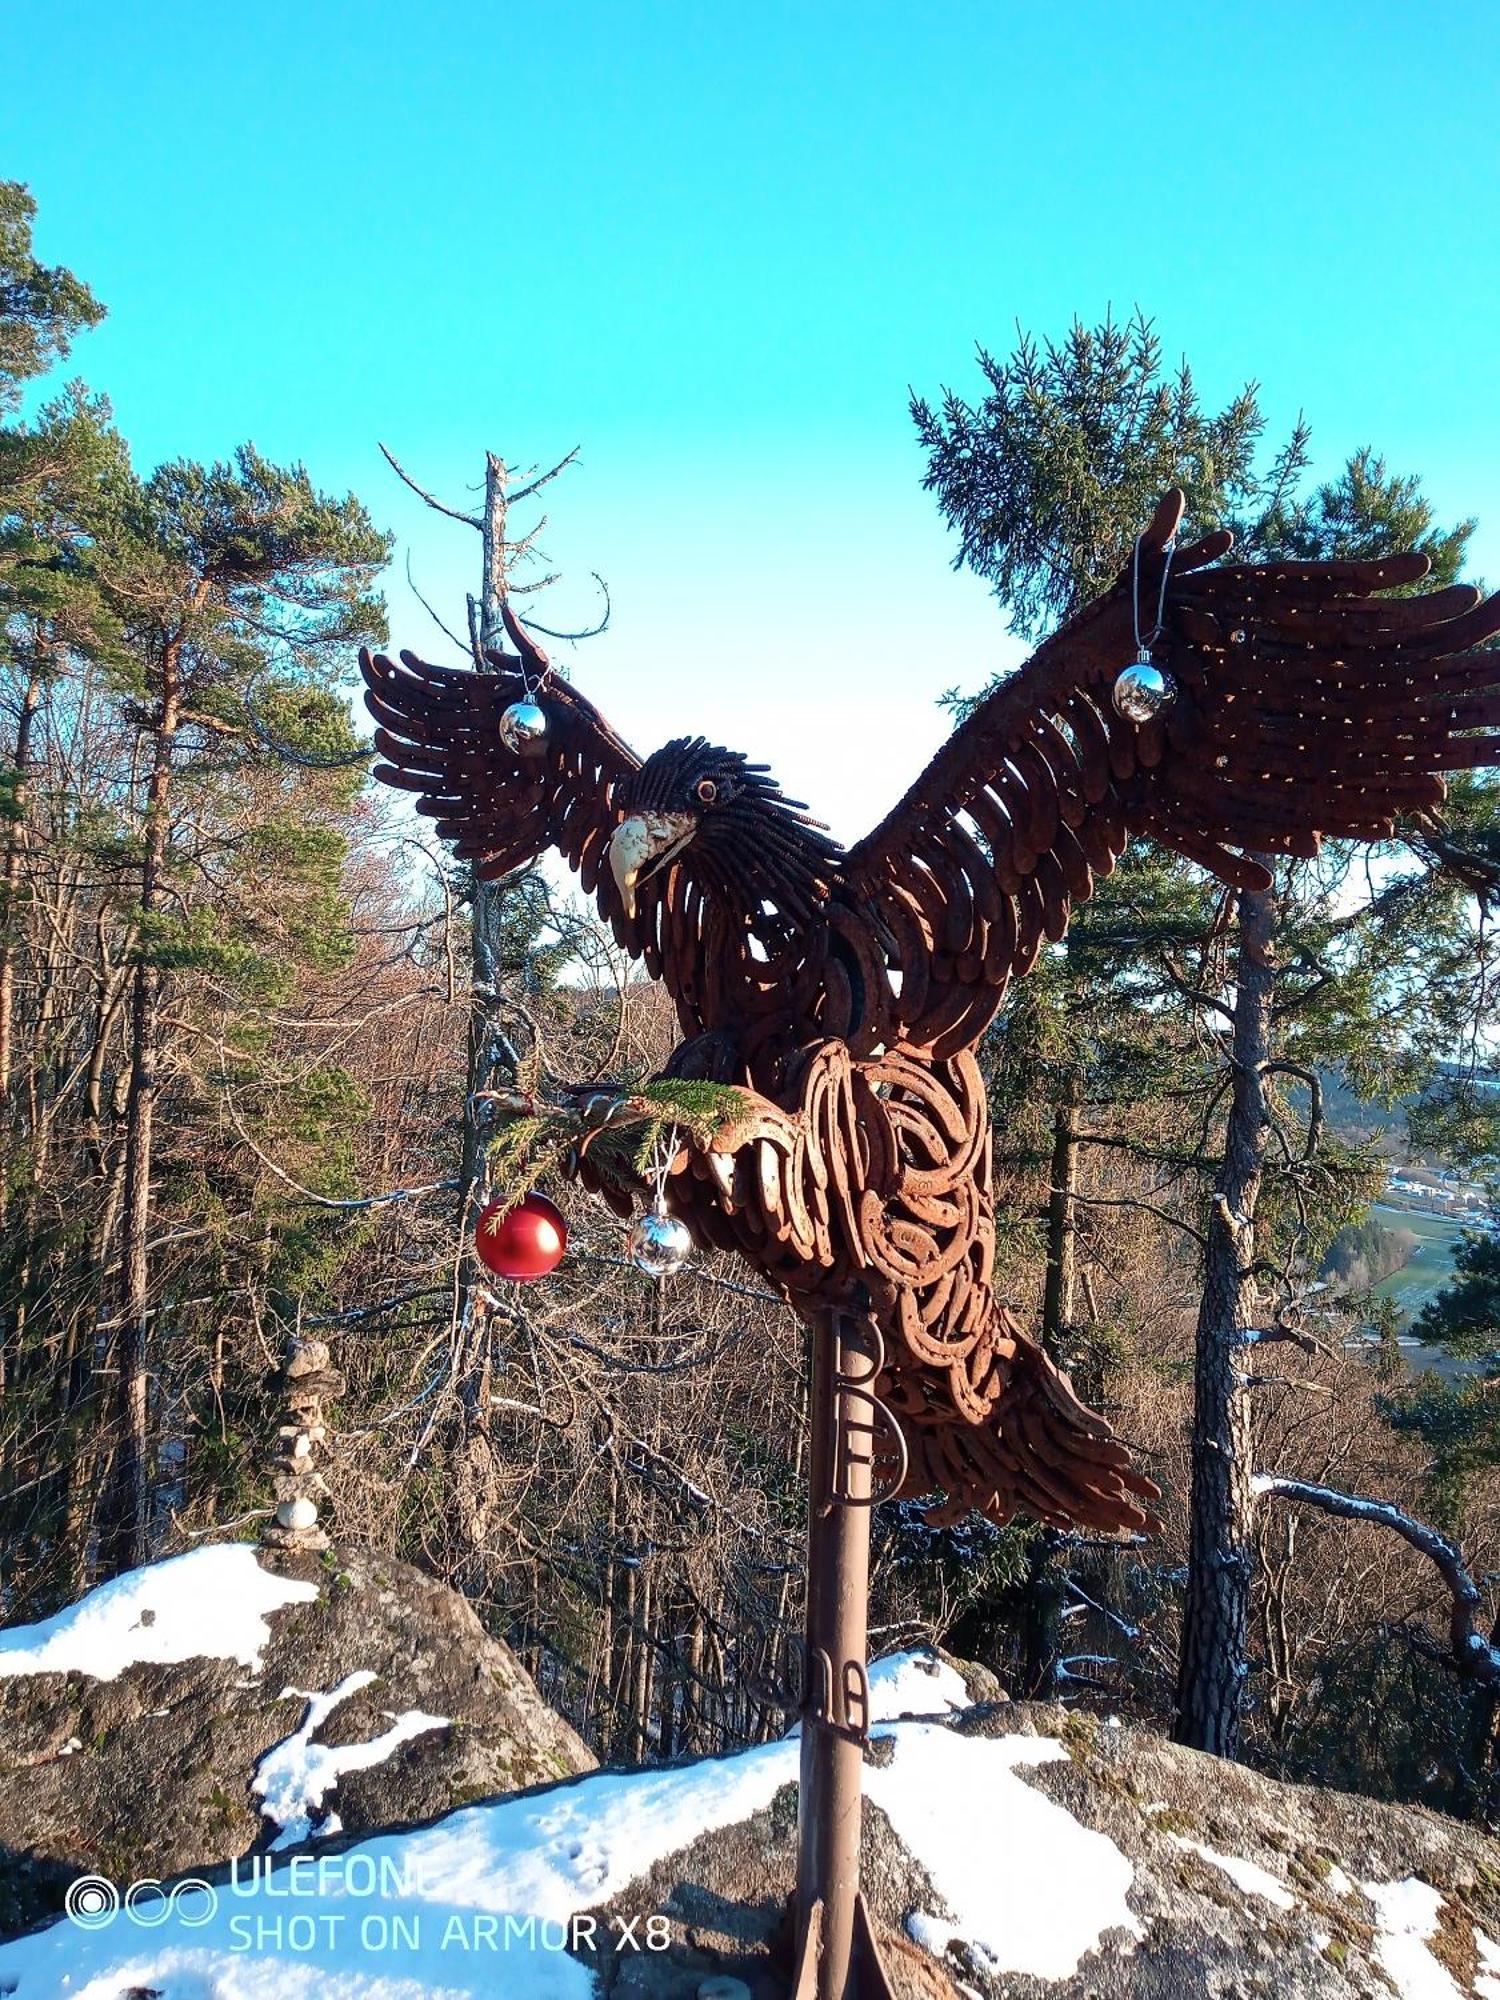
x: 845, y: 989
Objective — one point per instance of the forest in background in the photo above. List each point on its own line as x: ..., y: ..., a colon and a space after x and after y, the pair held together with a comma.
x: 241, y: 1013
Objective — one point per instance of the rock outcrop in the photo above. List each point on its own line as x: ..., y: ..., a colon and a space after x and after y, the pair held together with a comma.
x: 153, y: 1772
x: 1013, y: 1851
x: 1234, y: 1885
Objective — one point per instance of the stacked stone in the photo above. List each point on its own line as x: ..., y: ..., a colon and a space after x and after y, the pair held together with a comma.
x: 306, y: 1382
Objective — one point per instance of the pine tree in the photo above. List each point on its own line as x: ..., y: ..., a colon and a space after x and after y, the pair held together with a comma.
x: 1046, y: 481
x: 43, y: 469
x: 232, y: 584
x: 42, y: 307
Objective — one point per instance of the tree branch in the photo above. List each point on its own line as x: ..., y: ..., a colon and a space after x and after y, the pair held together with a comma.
x: 544, y: 479
x: 447, y: 631
x: 1474, y: 1656
x: 469, y: 520
x: 1133, y: 1201
x: 591, y: 631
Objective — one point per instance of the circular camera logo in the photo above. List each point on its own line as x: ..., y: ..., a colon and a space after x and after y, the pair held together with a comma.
x: 194, y: 1900
x: 146, y: 1903
x: 92, y: 1902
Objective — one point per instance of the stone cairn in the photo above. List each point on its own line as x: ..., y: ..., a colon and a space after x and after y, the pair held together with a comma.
x: 305, y: 1383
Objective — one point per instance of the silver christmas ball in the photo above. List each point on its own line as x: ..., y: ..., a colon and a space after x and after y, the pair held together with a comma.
x: 1142, y: 691
x: 523, y: 727
x: 659, y: 1245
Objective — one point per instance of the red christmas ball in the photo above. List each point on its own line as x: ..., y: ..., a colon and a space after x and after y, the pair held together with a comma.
x: 526, y: 1242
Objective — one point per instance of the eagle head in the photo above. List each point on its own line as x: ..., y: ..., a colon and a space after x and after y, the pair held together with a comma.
x: 743, y: 839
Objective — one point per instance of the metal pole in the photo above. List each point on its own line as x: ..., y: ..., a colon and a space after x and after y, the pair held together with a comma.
x: 836, y: 1954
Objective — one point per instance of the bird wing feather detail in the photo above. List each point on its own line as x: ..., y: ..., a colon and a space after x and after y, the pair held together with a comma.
x: 438, y: 731
x: 1309, y: 706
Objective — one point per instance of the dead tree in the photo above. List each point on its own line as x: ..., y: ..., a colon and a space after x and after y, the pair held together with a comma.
x: 493, y: 1060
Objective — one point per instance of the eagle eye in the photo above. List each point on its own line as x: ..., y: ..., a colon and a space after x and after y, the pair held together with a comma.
x: 708, y: 791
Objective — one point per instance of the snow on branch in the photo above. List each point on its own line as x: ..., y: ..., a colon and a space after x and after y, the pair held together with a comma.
x: 1266, y: 1336
x: 1475, y: 1657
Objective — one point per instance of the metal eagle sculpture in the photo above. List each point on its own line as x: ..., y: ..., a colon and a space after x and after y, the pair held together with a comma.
x: 844, y: 990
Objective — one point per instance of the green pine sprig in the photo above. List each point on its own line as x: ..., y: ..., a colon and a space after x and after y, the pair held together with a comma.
x: 625, y: 1140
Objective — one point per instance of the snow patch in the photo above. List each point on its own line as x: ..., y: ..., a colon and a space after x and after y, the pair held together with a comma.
x: 542, y: 1857
x: 1406, y: 1918
x: 576, y: 1846
x: 1487, y: 1978
x: 907, y: 1684
x: 211, y: 1603
x: 1246, y: 1875
x: 915, y: 1684
x: 294, y: 1776
x: 227, y: 1969
x: 1031, y: 1890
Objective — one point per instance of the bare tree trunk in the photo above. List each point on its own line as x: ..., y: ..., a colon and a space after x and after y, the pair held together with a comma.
x: 604, y: 1652
x: 1039, y: 1618
x: 640, y: 1692
x: 1277, y: 1568
x: 1042, y: 1602
x: 690, y: 1735
x: 1221, y: 1548
x: 10, y: 886
x: 491, y: 1064
x: 10, y: 889
x: 1477, y: 1796
x: 1059, y: 1298
x: 620, y: 1680
x: 668, y: 1681
x: 130, y: 1509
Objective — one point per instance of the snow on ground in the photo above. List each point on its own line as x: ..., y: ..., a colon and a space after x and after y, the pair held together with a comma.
x: 1029, y: 1887
x: 915, y: 1684
x: 1246, y: 1875
x: 405, y: 1916
x: 296, y: 1775
x: 1406, y: 1915
x: 1487, y: 1978
x: 483, y: 1901
x: 229, y: 1965
x: 211, y: 1603
x: 577, y: 1845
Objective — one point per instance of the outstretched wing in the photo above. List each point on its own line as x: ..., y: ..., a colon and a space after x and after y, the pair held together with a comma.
x: 439, y: 731
x: 1308, y: 706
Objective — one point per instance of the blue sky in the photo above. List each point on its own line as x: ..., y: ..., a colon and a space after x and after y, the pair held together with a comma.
x: 713, y: 245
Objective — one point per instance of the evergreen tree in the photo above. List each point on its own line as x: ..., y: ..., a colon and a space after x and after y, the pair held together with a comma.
x: 1389, y: 1362
x: 42, y: 307
x: 1052, y: 473
x: 234, y: 585
x: 1464, y: 1318
x: 1246, y: 998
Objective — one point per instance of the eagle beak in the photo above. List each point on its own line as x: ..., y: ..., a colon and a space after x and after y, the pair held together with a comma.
x: 642, y: 844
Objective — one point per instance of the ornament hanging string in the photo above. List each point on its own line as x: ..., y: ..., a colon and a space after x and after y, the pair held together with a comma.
x: 659, y: 1243
x: 662, y: 1156
x: 1143, y: 689
x: 1143, y: 645
x: 523, y: 725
